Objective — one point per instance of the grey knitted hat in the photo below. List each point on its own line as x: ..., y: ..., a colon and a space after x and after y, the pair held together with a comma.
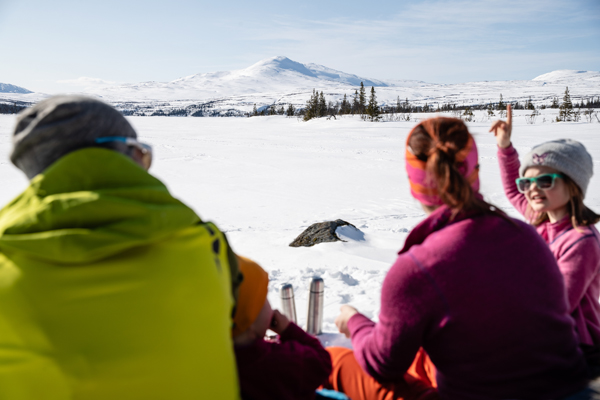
x: 59, y: 125
x: 565, y: 155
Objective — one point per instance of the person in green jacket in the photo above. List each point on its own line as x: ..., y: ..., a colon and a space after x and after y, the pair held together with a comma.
x: 110, y: 288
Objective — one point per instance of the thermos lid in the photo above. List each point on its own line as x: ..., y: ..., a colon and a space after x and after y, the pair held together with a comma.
x: 317, y: 285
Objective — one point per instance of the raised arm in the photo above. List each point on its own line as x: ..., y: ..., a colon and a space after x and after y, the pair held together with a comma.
x: 508, y: 158
x: 503, y: 129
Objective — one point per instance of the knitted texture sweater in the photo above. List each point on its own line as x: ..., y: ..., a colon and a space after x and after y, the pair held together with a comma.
x: 485, y: 299
x: 577, y: 253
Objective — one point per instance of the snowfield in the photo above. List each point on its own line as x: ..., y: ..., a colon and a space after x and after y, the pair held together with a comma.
x: 263, y: 180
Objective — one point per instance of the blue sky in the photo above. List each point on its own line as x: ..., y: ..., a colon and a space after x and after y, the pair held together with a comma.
x: 45, y: 43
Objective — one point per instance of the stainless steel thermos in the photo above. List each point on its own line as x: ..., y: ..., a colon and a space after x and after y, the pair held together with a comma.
x: 288, y: 305
x: 314, y: 321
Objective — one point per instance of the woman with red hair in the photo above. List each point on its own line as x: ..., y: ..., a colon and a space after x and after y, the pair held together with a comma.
x: 476, y: 292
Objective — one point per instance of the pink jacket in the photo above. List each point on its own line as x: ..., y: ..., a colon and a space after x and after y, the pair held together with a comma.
x: 485, y: 299
x: 577, y: 253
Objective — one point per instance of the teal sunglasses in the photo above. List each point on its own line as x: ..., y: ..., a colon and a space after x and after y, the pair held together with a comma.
x: 544, y: 182
x: 145, y: 149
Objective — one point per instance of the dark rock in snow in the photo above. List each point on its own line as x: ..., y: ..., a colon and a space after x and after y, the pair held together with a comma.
x: 319, y: 233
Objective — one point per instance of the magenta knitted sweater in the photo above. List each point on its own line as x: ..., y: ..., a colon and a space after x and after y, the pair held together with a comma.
x: 577, y: 253
x: 485, y: 299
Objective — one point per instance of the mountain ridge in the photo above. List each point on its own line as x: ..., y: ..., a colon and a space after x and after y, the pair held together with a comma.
x: 8, y: 88
x: 282, y: 75
x: 279, y: 81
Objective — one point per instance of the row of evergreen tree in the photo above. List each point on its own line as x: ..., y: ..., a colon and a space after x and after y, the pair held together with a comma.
x: 317, y: 106
x: 13, y: 108
x: 592, y: 102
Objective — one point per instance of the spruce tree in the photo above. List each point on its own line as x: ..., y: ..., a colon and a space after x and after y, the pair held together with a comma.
x: 530, y: 105
x: 372, y: 108
x: 254, y: 110
x: 501, y: 106
x: 362, y: 99
x: 307, y: 110
x: 322, y: 107
x: 398, y: 105
x: 291, y: 110
x: 490, y: 111
x: 311, y: 106
x: 344, y: 107
x: 355, y: 104
x: 566, y: 108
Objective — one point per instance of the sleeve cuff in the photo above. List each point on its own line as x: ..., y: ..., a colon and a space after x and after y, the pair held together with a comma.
x: 357, y: 322
x: 507, y: 151
x: 292, y: 332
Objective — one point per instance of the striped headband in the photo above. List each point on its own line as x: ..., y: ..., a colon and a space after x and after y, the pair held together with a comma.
x: 423, y: 186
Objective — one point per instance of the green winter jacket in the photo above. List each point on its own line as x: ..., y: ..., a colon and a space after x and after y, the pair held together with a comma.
x: 111, y: 289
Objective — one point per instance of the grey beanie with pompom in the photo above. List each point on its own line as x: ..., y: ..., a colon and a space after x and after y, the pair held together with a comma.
x: 62, y: 124
x: 564, y: 155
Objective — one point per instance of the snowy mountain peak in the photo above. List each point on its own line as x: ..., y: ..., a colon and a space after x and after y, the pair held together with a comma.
x: 281, y: 67
x: 272, y: 75
x: 568, y: 75
x: 279, y: 64
x: 8, y: 88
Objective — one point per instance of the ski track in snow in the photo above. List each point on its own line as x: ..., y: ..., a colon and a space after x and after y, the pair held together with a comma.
x: 264, y: 180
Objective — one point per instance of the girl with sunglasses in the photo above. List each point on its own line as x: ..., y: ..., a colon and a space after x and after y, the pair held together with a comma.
x: 548, y: 189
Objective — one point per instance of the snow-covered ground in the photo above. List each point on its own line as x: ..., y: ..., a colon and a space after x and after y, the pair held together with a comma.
x: 263, y: 180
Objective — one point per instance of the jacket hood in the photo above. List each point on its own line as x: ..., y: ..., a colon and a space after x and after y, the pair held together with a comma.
x: 89, y: 205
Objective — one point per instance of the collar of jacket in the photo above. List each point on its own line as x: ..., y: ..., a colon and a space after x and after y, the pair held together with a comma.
x: 91, y: 204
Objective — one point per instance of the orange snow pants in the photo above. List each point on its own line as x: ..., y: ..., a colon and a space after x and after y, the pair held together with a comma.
x: 348, y: 377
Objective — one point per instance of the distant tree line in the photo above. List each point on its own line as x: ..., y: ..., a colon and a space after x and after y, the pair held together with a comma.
x: 13, y: 108
x: 317, y: 106
x: 357, y: 104
x: 366, y: 106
